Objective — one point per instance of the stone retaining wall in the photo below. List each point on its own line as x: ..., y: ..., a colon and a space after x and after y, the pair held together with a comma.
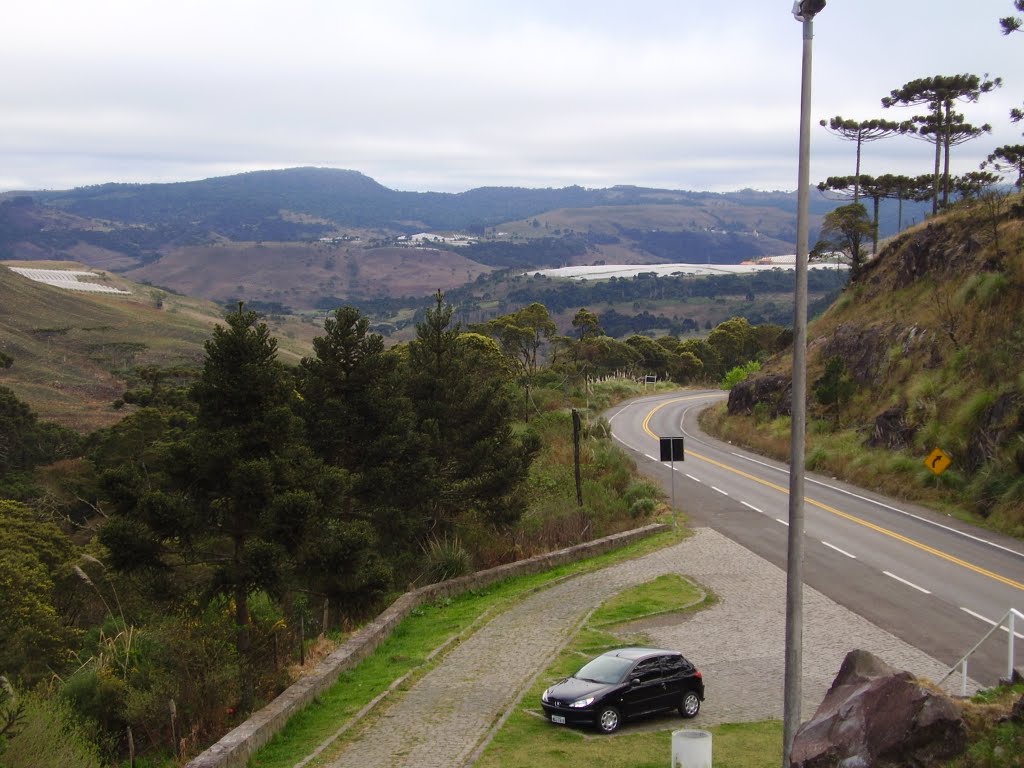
x: 237, y: 746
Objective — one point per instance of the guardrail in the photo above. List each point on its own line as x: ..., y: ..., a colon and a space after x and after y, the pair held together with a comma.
x: 1008, y: 617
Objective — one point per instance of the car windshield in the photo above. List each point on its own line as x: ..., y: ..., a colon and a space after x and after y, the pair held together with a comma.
x: 605, y: 669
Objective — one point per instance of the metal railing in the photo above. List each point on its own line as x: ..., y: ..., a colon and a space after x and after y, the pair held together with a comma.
x: 1008, y: 618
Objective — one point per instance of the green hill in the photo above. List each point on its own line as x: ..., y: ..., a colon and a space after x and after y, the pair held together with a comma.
x: 929, y: 344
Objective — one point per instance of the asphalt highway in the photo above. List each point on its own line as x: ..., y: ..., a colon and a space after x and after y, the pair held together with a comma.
x: 933, y: 581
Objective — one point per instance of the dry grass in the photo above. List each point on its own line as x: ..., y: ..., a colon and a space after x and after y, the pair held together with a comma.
x: 73, y: 350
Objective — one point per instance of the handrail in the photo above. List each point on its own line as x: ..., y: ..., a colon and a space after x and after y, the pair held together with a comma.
x: 1008, y: 617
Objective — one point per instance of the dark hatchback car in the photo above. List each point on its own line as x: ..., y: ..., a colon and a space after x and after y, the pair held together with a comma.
x: 622, y: 684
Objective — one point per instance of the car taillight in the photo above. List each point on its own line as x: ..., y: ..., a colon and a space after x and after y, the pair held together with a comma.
x: 696, y: 673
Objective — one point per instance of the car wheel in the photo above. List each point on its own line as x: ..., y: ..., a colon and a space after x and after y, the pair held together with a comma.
x: 690, y: 705
x: 608, y: 720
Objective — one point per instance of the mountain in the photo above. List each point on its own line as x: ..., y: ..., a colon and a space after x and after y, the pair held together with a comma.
x: 301, y: 236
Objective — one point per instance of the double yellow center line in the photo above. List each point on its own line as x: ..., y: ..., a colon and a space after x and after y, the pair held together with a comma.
x: 846, y: 515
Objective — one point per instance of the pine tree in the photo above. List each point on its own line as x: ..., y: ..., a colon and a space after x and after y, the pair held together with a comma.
x: 464, y: 412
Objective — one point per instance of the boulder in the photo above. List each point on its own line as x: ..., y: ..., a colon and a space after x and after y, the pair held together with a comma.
x: 875, y: 716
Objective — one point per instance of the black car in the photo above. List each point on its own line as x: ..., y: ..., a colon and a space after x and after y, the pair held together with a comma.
x: 622, y: 684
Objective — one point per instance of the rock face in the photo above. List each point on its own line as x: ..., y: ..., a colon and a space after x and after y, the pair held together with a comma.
x: 875, y: 716
x: 774, y: 391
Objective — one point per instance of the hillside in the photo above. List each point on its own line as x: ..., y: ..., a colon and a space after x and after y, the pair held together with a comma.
x: 930, y: 343
x: 73, y: 352
x: 306, y: 235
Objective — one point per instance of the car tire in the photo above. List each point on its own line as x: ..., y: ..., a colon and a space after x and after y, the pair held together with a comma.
x: 690, y: 705
x: 608, y: 720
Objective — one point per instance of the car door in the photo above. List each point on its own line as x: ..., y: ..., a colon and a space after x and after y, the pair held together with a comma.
x: 678, y: 674
x: 646, y: 688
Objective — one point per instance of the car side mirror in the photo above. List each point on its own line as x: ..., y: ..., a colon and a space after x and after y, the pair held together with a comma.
x: 634, y: 682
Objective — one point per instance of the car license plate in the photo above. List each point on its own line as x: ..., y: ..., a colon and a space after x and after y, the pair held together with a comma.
x: 558, y: 719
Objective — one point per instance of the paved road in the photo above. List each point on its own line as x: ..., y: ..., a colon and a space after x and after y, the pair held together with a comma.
x: 936, y: 582
x: 738, y: 644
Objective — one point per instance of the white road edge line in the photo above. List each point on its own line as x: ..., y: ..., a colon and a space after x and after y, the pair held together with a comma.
x: 840, y: 551
x: 780, y: 520
x: 989, y: 621
x: 785, y: 471
x: 908, y: 583
x: 695, y: 479
x: 752, y: 507
x: 724, y: 493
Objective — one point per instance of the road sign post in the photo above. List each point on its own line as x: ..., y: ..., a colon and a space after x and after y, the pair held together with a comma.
x: 671, y: 450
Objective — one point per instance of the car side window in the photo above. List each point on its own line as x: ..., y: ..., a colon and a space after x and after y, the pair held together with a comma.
x: 675, y: 665
x: 647, y: 670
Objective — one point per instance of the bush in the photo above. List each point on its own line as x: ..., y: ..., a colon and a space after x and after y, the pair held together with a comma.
x: 740, y: 373
x: 446, y: 559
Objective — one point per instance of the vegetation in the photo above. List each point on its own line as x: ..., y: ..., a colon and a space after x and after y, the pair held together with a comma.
x: 181, y: 556
x: 904, y: 362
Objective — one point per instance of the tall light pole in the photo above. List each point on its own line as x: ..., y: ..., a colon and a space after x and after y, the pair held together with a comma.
x: 804, y: 11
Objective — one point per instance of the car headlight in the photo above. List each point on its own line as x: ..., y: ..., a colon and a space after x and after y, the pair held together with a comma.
x: 544, y: 697
x: 578, y: 704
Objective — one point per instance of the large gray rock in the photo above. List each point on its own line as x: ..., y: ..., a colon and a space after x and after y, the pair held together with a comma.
x: 875, y: 716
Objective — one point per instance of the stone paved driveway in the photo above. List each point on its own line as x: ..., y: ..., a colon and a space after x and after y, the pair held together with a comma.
x: 738, y: 644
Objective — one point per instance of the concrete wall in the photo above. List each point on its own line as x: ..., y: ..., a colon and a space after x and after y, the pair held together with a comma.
x: 236, y: 747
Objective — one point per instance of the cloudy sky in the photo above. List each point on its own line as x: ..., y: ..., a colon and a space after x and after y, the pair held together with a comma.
x: 448, y: 95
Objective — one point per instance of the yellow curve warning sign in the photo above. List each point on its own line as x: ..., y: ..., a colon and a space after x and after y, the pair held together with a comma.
x: 938, y: 461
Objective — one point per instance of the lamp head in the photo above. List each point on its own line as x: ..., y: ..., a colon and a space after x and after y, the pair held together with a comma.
x: 806, y: 10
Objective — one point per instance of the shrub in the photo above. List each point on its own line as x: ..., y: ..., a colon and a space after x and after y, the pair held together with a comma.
x: 740, y: 373
x: 446, y: 558
x: 642, y: 507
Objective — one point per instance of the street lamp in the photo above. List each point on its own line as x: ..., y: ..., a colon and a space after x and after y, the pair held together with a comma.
x: 804, y: 11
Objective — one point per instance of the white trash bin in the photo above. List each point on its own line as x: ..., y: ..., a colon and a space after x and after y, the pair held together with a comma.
x: 691, y: 749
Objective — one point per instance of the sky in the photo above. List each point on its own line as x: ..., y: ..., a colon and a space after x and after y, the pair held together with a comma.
x: 449, y: 95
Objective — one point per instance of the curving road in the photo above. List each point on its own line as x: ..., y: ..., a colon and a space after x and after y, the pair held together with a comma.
x: 933, y: 581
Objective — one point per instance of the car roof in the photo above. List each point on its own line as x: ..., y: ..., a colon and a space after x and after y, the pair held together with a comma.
x: 635, y: 654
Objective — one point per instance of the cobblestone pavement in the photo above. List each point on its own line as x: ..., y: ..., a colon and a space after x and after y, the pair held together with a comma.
x: 738, y: 644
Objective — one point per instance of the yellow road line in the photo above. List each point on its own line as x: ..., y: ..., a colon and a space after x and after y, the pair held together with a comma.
x: 846, y: 515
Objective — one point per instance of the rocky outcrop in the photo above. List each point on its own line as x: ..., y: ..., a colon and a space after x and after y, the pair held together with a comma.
x: 774, y: 390
x: 875, y: 716
x: 891, y: 429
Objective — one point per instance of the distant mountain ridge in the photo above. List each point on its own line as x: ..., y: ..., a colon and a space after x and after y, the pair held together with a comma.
x: 298, y: 236
x: 351, y: 198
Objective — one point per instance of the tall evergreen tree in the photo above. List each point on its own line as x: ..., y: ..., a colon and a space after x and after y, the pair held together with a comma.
x: 862, y: 133
x: 463, y: 407
x: 225, y: 501
x: 939, y: 94
x: 360, y: 420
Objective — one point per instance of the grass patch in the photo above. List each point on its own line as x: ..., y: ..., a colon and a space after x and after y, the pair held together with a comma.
x: 406, y: 651
x: 666, y: 594
x: 745, y: 745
